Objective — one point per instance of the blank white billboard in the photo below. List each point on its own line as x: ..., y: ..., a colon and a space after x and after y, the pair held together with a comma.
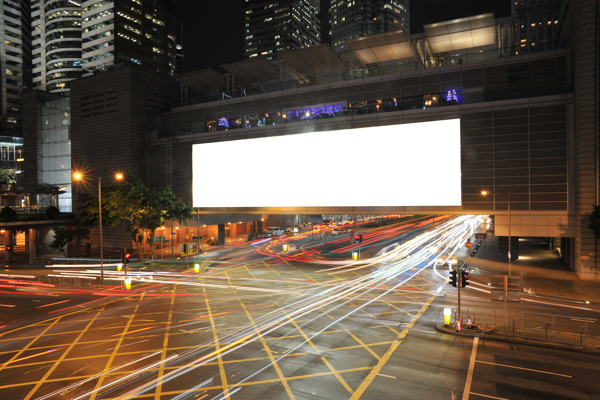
x: 414, y: 164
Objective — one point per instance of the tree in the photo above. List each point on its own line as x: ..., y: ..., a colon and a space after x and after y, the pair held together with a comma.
x: 164, y: 206
x: 52, y: 212
x: 8, y: 214
x: 140, y: 210
x: 594, y: 223
x: 64, y: 236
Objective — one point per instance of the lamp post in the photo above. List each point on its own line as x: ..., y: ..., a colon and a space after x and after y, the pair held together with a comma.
x: 485, y: 193
x: 78, y: 176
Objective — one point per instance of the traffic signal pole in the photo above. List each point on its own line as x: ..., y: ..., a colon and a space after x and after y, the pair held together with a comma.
x: 459, y: 284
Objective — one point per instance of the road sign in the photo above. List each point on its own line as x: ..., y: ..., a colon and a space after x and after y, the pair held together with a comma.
x: 468, y: 245
x: 196, y: 237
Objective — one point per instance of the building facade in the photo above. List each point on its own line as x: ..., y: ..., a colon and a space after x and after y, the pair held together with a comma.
x: 15, y: 62
x: 528, y: 123
x: 359, y: 18
x: 535, y: 25
x: 271, y: 27
x: 72, y: 39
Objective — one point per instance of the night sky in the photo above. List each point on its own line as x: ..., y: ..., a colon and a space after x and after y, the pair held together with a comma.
x: 212, y: 30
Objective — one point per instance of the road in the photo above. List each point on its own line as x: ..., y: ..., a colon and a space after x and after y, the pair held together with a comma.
x: 262, y: 323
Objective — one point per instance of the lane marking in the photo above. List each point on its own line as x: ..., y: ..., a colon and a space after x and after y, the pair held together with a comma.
x: 489, y: 397
x: 107, y: 367
x: 218, y: 349
x: 377, y: 368
x: 526, y: 369
x: 63, y: 355
x: 470, y: 372
x: 163, y: 356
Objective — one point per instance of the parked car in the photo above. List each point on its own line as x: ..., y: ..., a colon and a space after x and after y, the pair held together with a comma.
x: 277, y: 231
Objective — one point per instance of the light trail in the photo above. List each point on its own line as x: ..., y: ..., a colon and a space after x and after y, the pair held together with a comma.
x: 421, y: 252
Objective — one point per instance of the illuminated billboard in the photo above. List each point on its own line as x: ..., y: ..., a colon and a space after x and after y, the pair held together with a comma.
x: 414, y: 164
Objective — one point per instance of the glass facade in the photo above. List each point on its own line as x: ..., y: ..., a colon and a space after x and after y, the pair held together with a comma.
x: 55, y: 154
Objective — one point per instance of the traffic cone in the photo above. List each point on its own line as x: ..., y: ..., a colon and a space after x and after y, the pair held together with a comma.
x: 474, y: 323
x: 458, y: 326
x: 469, y: 322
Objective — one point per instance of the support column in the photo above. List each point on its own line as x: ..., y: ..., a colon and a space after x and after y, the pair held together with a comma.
x: 221, y: 234
x: 33, y: 244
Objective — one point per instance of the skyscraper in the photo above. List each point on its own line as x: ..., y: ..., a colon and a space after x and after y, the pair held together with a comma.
x: 536, y: 25
x: 74, y: 39
x: 352, y: 19
x: 15, y: 57
x: 274, y: 26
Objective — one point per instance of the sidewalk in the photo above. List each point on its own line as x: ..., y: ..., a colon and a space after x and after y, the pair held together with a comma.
x: 541, y: 271
x: 544, y: 277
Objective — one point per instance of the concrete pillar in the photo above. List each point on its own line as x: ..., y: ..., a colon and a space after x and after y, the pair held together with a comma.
x: 503, y: 248
x: 221, y: 234
x: 33, y: 244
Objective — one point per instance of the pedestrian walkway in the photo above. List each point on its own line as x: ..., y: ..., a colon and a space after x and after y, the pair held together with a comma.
x: 541, y: 270
x: 544, y: 277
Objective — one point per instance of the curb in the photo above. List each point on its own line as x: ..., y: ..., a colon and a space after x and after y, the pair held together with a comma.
x: 491, y: 336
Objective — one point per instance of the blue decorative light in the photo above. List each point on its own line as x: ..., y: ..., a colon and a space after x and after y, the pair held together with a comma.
x: 223, y: 122
x: 313, y: 112
x: 452, y: 96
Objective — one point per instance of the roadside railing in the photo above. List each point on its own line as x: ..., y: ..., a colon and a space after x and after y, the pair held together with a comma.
x: 574, y: 331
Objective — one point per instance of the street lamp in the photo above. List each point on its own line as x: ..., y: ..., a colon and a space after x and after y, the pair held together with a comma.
x: 78, y: 176
x: 485, y: 193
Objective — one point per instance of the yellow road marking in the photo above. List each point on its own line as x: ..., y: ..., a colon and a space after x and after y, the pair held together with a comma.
x: 375, y: 371
x: 63, y: 356
x: 524, y: 369
x: 282, y: 377
x: 16, y: 356
x: 115, y: 351
x: 337, y: 375
x: 48, y: 321
x: 353, y: 336
x: 161, y: 370
x: 217, y: 347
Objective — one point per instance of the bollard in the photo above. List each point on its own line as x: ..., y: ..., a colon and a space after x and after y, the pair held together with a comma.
x: 447, y: 315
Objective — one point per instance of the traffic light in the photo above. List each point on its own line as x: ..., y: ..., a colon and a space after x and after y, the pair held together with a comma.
x: 452, y: 278
x: 464, y: 278
x: 9, y: 248
x: 184, y: 248
x: 360, y: 238
x: 356, y: 239
x: 126, y: 257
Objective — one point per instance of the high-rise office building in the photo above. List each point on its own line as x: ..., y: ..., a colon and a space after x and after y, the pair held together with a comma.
x: 274, y: 26
x: 352, y: 19
x: 15, y: 66
x: 75, y: 39
x: 536, y: 25
x: 15, y: 58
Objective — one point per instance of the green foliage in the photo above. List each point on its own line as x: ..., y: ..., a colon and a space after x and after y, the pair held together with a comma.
x: 7, y: 175
x: 140, y: 210
x: 52, y: 212
x: 8, y: 214
x: 594, y: 223
x: 64, y: 236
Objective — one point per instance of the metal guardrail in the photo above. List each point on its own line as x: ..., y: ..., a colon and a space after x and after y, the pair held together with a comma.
x: 557, y: 329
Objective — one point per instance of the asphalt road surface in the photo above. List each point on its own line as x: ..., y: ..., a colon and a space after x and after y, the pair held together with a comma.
x: 260, y: 323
